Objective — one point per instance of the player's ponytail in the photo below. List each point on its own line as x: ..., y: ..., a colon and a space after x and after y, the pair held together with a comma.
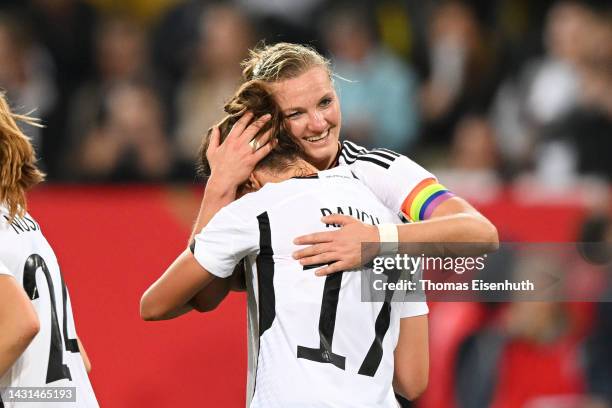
x: 18, y: 170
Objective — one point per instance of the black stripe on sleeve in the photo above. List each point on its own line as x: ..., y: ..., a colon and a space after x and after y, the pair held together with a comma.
x: 355, y: 147
x: 349, y: 154
x: 265, y: 275
x: 347, y: 158
x: 351, y: 147
x: 192, y: 246
x: 375, y: 161
x: 382, y: 157
x: 377, y: 156
x: 381, y: 153
x: 391, y: 152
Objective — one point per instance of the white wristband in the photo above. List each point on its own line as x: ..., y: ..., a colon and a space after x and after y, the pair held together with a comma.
x: 389, y: 238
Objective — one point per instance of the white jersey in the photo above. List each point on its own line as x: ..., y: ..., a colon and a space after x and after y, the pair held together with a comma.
x: 319, y: 344
x: 402, y: 185
x: 52, y: 359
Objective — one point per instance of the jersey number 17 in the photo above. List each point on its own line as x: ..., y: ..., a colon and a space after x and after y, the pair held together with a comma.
x: 327, y: 323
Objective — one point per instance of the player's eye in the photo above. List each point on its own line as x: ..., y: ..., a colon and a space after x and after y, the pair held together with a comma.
x: 293, y: 115
x: 325, y: 102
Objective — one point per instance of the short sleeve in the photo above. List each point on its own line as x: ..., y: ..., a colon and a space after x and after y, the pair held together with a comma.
x: 400, y: 183
x: 412, y: 309
x: 4, y: 270
x: 392, y: 185
x: 225, y: 240
x: 412, y: 302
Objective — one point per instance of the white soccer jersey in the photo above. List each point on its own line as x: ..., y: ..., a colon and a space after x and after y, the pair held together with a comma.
x: 52, y: 359
x: 402, y: 185
x: 319, y: 344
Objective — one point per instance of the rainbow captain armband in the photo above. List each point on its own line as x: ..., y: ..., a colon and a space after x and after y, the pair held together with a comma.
x: 424, y: 198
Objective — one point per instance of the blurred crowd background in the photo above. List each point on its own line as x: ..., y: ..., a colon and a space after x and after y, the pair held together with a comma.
x: 489, y: 95
x: 492, y: 90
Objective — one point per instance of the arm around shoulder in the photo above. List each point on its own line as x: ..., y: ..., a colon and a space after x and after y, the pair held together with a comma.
x: 453, y: 221
x: 207, y: 299
x: 19, y: 323
x: 169, y: 296
x: 479, y: 228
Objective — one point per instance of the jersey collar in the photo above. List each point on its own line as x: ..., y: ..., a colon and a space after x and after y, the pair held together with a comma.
x: 335, y: 163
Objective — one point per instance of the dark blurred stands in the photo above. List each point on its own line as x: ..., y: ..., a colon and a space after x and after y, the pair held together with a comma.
x: 495, y: 97
x: 536, y: 74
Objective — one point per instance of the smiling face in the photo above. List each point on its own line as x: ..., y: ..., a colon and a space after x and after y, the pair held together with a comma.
x: 311, y: 112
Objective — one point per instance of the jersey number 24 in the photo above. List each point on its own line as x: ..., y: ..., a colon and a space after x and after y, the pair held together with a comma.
x: 56, y: 370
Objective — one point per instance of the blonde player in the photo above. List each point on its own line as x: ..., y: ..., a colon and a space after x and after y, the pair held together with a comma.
x: 312, y: 342
x: 38, y: 342
x: 300, y: 81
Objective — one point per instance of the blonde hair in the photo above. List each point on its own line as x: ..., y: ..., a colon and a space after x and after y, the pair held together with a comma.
x: 271, y: 63
x: 18, y: 170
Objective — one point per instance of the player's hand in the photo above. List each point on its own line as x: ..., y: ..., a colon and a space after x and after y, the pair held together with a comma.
x: 340, y: 249
x: 232, y: 161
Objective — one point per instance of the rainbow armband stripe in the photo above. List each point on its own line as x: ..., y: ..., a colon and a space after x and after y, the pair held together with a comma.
x: 424, y: 198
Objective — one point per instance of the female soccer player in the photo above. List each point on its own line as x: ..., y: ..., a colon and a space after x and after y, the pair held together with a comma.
x: 300, y: 81
x: 301, y: 326
x: 38, y: 344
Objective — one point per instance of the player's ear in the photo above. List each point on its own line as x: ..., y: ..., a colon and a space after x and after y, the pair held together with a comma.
x: 254, y: 182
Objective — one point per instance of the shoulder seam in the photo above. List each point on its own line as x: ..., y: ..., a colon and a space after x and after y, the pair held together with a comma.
x: 382, y: 157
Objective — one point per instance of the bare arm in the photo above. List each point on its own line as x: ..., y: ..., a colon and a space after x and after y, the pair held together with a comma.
x: 84, y: 356
x: 212, y: 295
x: 411, y: 372
x: 18, y: 322
x: 453, y: 221
x: 207, y: 299
x: 169, y: 296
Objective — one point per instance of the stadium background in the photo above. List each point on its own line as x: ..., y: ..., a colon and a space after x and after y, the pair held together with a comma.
x: 509, y: 102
